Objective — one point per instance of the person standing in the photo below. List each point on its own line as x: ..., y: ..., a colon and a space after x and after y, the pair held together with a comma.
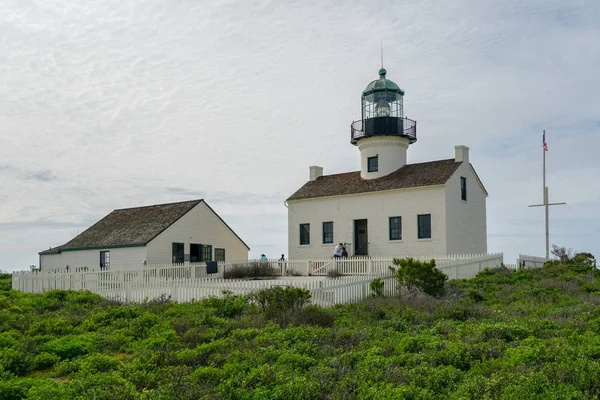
x: 282, y: 264
x: 337, y: 252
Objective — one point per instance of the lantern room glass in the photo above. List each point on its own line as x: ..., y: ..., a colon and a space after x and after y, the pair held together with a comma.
x: 382, y: 104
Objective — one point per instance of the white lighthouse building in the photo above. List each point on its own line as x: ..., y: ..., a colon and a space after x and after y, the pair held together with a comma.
x: 389, y: 208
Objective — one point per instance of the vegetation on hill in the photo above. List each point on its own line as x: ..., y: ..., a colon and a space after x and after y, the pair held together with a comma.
x: 505, y: 334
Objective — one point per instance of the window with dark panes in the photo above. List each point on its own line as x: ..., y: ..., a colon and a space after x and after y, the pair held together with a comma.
x: 104, y: 259
x: 206, y: 252
x: 463, y: 188
x: 373, y: 164
x: 424, y: 222
x: 395, y: 228
x: 304, y: 233
x: 177, y: 253
x: 327, y: 232
x: 195, y: 254
x: 219, y: 254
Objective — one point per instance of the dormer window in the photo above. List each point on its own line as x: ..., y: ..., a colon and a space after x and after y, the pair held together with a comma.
x: 373, y: 164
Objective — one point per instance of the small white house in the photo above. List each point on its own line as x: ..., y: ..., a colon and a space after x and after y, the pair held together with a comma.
x: 389, y: 207
x: 157, y: 234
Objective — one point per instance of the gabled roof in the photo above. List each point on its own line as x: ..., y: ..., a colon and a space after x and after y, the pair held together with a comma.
x: 130, y: 227
x: 409, y: 176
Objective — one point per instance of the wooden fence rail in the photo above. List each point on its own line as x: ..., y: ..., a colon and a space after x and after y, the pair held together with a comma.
x: 192, y: 281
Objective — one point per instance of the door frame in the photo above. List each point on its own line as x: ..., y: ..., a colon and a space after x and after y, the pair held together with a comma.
x: 357, y: 243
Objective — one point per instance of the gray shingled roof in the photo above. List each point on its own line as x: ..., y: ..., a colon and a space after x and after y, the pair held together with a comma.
x: 129, y: 227
x: 411, y: 175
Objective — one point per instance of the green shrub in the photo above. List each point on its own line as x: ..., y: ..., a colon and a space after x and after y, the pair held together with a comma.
x: 103, y: 387
x: 68, y: 347
x: 14, y: 388
x: 15, y: 361
x: 5, y: 282
x: 533, y: 333
x: 315, y: 315
x: 412, y: 274
x: 97, y: 362
x: 376, y: 286
x: 281, y: 304
x: 227, y: 307
x: 256, y: 269
x: 68, y: 367
x: 157, y: 304
x: 45, y: 360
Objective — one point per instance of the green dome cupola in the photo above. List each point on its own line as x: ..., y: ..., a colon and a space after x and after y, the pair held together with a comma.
x: 382, y: 85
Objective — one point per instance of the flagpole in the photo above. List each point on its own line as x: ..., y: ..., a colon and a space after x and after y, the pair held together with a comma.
x: 546, y: 203
x: 545, y: 194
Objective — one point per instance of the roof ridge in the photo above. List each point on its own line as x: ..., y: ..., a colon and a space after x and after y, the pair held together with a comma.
x: 434, y: 161
x: 427, y: 173
x: 419, y: 163
x: 341, y: 173
x: 163, y: 204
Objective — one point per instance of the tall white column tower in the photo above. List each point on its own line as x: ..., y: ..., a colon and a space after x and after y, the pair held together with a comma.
x: 383, y: 134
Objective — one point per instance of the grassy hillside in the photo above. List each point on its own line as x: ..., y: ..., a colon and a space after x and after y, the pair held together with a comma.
x: 503, y: 335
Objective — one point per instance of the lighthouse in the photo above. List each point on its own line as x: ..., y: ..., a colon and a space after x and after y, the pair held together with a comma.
x: 383, y: 134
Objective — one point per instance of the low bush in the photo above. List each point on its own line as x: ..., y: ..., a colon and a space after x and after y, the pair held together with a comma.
x: 376, y: 286
x: 281, y: 304
x: 257, y: 269
x: 315, y: 315
x: 414, y: 275
x: 334, y: 273
x: 530, y: 333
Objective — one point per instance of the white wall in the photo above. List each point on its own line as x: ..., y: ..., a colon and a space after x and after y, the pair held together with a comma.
x: 466, y: 224
x: 376, y: 208
x: 390, y: 152
x: 200, y: 225
x: 120, y: 257
x: 51, y: 261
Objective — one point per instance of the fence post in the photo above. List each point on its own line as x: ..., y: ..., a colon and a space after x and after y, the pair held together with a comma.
x: 370, y: 264
x: 193, y: 272
x: 307, y: 267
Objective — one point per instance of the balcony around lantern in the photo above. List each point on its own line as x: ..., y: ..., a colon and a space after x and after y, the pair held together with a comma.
x: 383, y: 126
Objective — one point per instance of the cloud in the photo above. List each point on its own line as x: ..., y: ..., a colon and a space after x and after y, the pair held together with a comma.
x: 6, y: 167
x: 42, y: 176
x: 113, y: 105
x: 20, y: 225
x: 224, y: 197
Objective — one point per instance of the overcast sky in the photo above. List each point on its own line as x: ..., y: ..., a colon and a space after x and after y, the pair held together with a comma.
x: 115, y: 104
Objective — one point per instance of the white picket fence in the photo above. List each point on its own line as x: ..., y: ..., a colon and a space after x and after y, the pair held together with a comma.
x: 190, y: 281
x: 368, y: 265
x: 525, y: 261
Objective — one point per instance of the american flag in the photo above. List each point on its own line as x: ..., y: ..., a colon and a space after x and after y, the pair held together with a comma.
x: 544, y: 141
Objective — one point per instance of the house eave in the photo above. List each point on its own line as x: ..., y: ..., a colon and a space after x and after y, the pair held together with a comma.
x: 369, y: 193
x: 115, y: 246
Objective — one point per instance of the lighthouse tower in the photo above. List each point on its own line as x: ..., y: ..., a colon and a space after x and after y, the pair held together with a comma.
x: 383, y: 134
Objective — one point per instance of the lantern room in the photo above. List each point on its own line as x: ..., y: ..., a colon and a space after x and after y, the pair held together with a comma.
x: 383, y: 112
x: 382, y: 98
